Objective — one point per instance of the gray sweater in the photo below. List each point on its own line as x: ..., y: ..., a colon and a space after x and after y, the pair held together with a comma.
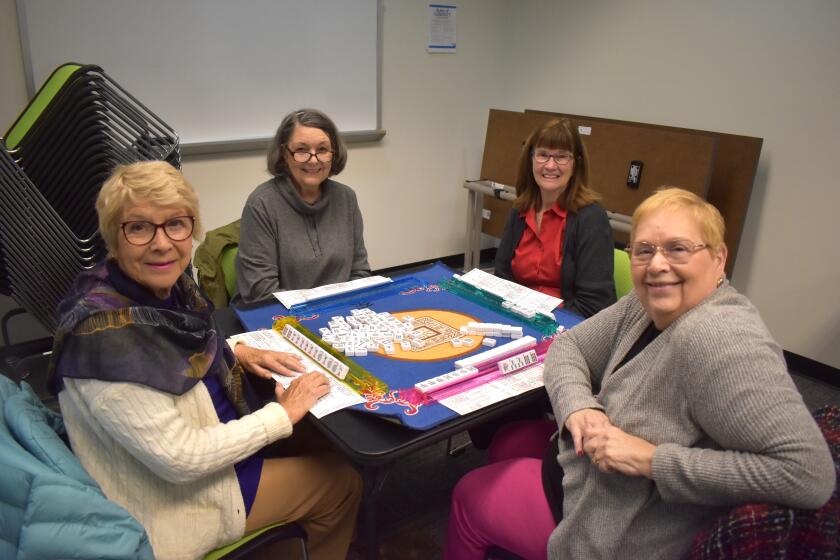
x: 287, y: 244
x: 713, y: 393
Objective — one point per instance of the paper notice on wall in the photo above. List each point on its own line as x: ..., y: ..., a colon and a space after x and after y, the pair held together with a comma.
x: 442, y: 29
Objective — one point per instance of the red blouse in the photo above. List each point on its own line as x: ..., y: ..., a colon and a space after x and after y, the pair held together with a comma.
x: 539, y: 255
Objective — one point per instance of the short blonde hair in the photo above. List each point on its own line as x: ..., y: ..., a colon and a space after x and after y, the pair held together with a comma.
x: 708, y: 217
x: 154, y: 181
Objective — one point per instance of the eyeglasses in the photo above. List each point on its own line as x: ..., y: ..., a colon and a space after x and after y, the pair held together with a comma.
x: 140, y: 232
x: 678, y: 251
x: 303, y: 156
x: 560, y: 159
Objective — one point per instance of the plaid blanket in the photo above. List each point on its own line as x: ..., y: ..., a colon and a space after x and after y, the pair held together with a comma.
x: 768, y: 531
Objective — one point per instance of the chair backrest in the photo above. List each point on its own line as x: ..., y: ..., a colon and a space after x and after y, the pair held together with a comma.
x: 762, y: 530
x: 228, y: 263
x: 621, y: 273
x: 46, y: 94
x: 215, y: 260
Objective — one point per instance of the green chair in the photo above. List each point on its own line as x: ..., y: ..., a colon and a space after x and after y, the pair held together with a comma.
x: 215, y: 261
x: 244, y: 547
x: 39, y: 103
x: 228, y: 263
x: 621, y: 273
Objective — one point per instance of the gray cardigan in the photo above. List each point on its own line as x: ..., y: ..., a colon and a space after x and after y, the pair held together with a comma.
x: 713, y: 393
x: 287, y: 244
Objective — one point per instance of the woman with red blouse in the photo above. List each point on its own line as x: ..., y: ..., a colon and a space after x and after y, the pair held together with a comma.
x: 557, y: 239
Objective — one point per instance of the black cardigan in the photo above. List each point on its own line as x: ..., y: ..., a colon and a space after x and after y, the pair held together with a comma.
x: 586, y: 275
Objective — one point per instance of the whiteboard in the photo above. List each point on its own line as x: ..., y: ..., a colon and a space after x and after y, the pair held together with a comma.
x: 218, y: 70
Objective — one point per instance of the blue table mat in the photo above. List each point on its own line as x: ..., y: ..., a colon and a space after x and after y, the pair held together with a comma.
x: 416, y: 291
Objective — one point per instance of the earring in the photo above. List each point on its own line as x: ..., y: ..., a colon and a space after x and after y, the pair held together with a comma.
x: 720, y: 282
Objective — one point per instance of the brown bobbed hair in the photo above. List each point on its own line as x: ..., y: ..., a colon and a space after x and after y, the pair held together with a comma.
x: 555, y: 134
x: 305, y: 117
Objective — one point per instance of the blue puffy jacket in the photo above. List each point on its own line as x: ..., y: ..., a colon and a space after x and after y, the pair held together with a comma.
x: 49, y: 506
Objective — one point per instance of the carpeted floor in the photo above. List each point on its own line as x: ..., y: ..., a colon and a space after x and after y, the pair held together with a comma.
x: 413, y: 507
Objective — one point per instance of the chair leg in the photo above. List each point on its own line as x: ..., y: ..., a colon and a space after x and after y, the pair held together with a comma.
x: 4, y: 323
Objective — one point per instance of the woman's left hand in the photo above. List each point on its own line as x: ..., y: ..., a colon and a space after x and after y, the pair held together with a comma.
x: 265, y: 362
x: 612, y: 449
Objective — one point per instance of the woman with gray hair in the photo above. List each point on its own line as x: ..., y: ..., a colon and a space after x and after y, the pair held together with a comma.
x: 152, y: 396
x: 301, y: 229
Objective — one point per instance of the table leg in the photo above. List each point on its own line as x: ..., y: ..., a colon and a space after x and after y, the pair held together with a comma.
x: 374, y: 479
x: 475, y: 203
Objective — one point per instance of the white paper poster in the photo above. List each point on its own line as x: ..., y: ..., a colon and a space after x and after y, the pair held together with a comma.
x: 441, y: 28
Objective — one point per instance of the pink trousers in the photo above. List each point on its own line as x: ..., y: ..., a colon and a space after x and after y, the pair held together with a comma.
x: 503, y: 503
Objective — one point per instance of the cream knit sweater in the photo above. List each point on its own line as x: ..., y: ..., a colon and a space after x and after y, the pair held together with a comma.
x: 167, y: 459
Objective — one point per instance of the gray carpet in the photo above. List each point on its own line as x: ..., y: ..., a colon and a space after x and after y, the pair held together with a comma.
x: 413, y: 507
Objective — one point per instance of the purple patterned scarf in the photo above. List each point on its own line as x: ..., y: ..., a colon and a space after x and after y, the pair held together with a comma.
x: 113, y: 329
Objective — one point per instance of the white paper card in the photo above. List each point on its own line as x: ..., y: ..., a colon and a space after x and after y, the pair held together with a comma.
x: 511, y: 291
x: 297, y: 297
x: 340, y: 395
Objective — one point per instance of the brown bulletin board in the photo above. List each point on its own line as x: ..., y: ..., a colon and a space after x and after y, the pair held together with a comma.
x: 507, y: 132
x: 733, y: 173
x: 670, y: 157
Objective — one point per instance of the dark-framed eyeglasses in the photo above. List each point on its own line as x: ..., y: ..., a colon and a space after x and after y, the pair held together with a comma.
x: 140, y: 232
x: 541, y: 156
x: 303, y: 156
x: 678, y: 251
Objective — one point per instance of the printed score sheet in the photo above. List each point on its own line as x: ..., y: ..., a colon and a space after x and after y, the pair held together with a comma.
x: 340, y: 395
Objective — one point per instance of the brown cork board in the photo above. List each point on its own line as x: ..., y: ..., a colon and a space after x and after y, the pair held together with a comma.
x: 670, y: 157
x: 507, y: 132
x: 732, y: 178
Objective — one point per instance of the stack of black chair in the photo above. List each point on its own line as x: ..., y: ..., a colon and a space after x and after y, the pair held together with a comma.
x: 54, y: 159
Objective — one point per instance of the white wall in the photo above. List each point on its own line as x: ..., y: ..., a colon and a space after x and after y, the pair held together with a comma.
x: 13, y: 99
x: 766, y: 68
x: 756, y: 67
x: 434, y: 109
x: 435, y: 117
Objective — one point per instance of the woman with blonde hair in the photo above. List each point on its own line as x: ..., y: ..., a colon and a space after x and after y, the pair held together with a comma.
x: 672, y: 406
x: 153, y: 397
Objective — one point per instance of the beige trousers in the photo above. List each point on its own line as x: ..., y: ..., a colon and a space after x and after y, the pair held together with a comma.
x: 316, y: 488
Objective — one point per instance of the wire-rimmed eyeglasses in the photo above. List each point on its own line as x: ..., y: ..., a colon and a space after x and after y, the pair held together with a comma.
x: 541, y: 156
x: 678, y: 251
x: 141, y: 232
x: 303, y: 156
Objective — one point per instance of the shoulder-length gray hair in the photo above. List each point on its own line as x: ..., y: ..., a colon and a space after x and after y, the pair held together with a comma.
x: 305, y: 117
